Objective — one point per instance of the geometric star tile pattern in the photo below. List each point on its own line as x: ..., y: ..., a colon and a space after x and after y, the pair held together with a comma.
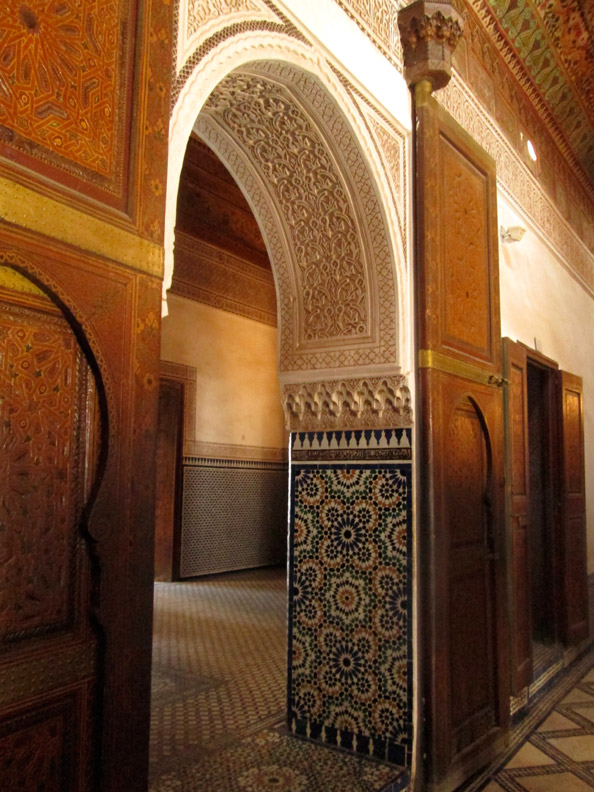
x: 350, y: 679
x: 349, y: 603
x: 62, y: 96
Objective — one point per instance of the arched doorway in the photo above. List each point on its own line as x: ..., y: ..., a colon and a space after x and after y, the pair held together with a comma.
x: 308, y: 165
x: 219, y: 638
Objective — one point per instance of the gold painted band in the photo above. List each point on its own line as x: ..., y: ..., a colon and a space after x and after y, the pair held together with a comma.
x: 429, y: 358
x: 26, y: 208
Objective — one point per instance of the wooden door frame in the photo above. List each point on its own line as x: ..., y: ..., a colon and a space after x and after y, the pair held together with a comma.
x: 554, y: 482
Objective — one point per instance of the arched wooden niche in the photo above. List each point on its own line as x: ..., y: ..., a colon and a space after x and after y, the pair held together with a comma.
x: 49, y: 448
x: 472, y: 621
x: 468, y: 473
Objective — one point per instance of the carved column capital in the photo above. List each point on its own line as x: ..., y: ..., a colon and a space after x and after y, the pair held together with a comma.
x: 429, y: 32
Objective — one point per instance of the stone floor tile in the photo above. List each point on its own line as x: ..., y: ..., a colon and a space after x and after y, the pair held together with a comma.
x: 577, y: 695
x: 579, y: 749
x: 529, y: 756
x: 557, y: 722
x: 556, y: 782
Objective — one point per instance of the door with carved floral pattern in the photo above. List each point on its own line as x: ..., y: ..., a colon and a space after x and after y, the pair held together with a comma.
x: 48, y: 648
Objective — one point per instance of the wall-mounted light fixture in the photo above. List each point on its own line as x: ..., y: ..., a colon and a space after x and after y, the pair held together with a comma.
x: 511, y: 234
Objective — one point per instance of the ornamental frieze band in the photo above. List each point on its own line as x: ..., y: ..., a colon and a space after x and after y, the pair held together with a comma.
x: 368, y: 403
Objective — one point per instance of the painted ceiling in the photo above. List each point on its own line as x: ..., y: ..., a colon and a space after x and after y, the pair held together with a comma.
x: 554, y: 39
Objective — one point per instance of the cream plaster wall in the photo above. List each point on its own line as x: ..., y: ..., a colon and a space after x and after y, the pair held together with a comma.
x: 238, y: 397
x: 539, y: 298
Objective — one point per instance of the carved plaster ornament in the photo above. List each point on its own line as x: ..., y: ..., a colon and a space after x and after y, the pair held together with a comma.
x: 369, y: 403
x: 289, y: 151
x: 429, y: 32
x: 297, y: 159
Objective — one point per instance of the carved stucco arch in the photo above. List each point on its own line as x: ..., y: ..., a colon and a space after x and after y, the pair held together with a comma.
x: 292, y: 70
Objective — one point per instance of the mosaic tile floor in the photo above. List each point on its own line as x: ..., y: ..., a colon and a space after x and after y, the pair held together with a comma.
x: 552, y: 749
x: 219, y: 696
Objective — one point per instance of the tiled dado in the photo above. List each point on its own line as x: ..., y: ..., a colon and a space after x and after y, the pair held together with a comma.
x: 350, y: 660
x: 234, y: 515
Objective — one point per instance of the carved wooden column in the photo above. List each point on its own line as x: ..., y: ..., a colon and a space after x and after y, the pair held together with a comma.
x: 463, y: 632
x: 350, y: 661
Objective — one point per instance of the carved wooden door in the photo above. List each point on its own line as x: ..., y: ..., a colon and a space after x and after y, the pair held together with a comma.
x: 572, y: 529
x: 468, y: 516
x: 48, y: 648
x: 518, y: 478
x: 462, y: 566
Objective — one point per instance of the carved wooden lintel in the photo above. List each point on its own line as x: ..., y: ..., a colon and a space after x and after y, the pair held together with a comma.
x: 369, y: 403
x: 429, y: 32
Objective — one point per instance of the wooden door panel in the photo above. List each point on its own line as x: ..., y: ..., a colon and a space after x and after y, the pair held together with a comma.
x: 468, y: 706
x: 471, y: 643
x: 470, y: 607
x: 465, y: 664
x: 521, y: 627
x: 458, y: 291
x: 471, y: 618
x: 519, y: 512
x: 575, y: 574
x: 48, y: 651
x: 40, y: 747
x: 572, y: 529
x: 41, y: 385
x: 573, y: 438
x: 466, y: 479
x: 466, y: 279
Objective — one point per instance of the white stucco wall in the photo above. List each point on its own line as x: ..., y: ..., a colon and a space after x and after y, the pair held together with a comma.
x: 342, y: 39
x: 540, y: 299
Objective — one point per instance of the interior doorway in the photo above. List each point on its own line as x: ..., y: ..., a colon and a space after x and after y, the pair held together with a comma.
x: 219, y: 641
x: 300, y: 148
x: 548, y: 605
x: 168, y: 494
x: 540, y: 390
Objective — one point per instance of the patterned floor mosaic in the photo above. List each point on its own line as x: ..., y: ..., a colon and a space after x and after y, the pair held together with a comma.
x: 552, y: 749
x: 219, y: 696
